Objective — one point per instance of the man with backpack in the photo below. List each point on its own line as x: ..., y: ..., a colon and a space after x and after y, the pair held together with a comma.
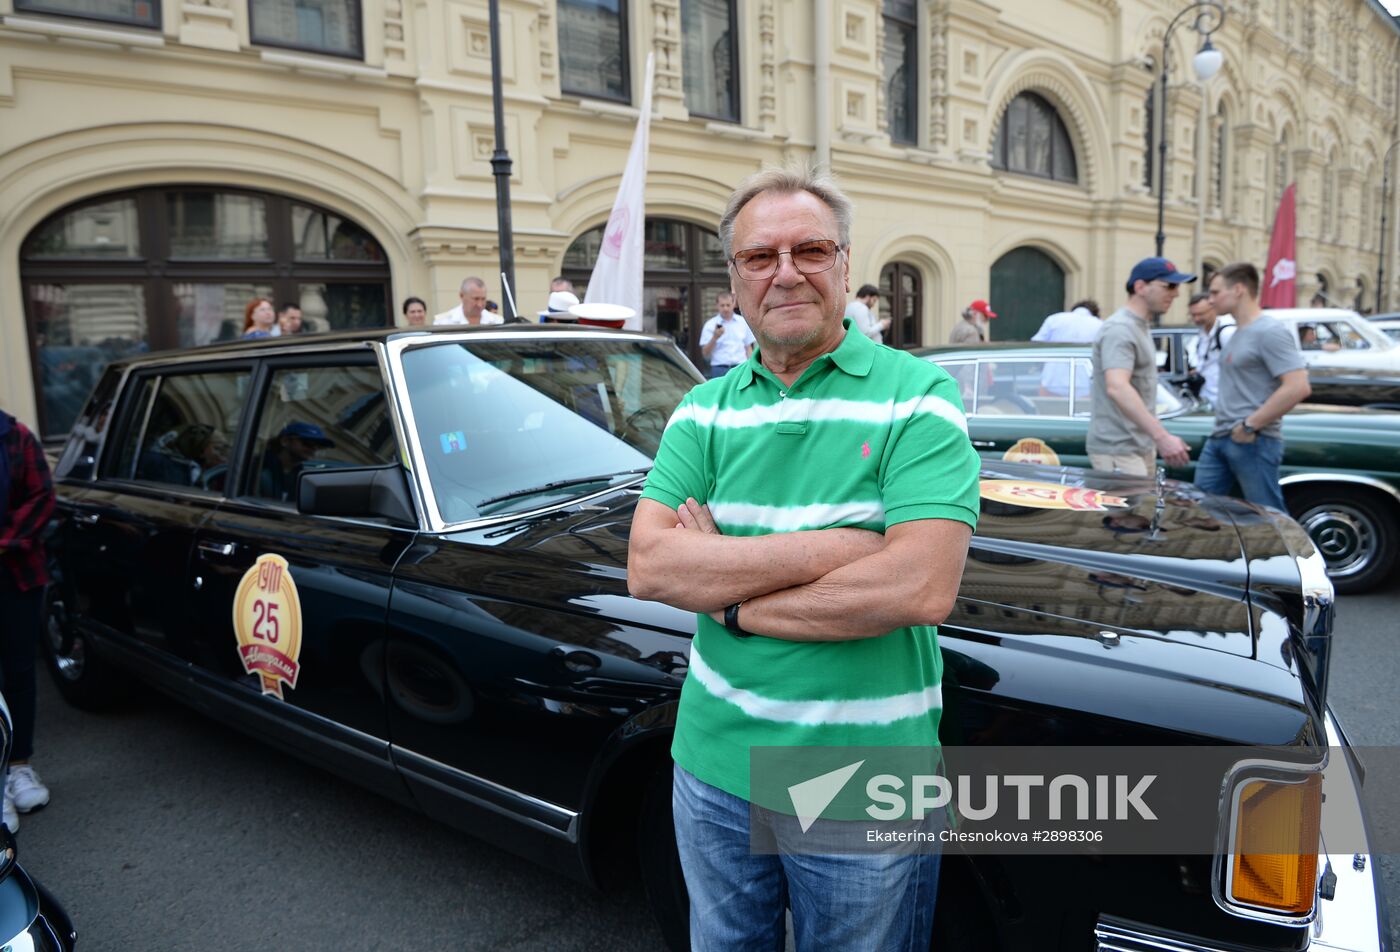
x: 1215, y: 333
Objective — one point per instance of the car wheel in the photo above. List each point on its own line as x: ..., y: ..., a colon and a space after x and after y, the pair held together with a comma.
x: 83, y: 678
x: 660, y: 862
x: 1354, y: 532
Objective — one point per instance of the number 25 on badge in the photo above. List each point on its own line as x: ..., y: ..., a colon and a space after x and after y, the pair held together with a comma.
x: 267, y: 623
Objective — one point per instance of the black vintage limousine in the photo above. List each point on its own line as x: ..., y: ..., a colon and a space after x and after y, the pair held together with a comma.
x: 401, y: 555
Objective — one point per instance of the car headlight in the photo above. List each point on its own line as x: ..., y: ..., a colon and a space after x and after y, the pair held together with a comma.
x: 1272, y: 832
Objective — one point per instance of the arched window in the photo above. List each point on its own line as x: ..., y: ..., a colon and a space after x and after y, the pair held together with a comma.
x: 902, y: 301
x: 1149, y: 148
x: 1033, y: 140
x: 1220, y: 174
x: 684, y: 273
x: 167, y: 267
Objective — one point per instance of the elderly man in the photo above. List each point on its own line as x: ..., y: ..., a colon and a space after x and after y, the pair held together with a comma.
x: 814, y: 508
x: 472, y: 310
x: 1125, y: 435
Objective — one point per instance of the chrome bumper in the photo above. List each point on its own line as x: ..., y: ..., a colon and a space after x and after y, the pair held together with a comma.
x: 1352, y: 920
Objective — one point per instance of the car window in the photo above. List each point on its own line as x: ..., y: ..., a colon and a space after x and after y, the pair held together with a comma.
x: 181, y: 435
x: 499, y: 422
x: 1162, y: 343
x: 318, y: 418
x: 964, y: 372
x: 1024, y: 388
x: 1083, y: 384
x: 79, y: 457
x: 1168, y: 402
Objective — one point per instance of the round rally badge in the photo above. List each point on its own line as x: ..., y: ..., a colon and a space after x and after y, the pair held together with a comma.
x: 267, y: 622
x: 1036, y: 495
x: 1031, y: 450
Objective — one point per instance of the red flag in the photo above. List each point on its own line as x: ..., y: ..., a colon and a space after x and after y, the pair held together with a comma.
x: 1280, y: 279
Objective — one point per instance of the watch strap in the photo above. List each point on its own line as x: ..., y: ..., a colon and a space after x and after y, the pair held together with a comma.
x: 731, y: 620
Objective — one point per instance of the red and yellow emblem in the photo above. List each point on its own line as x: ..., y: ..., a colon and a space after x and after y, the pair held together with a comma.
x: 1035, y: 495
x: 1031, y: 450
x: 267, y: 622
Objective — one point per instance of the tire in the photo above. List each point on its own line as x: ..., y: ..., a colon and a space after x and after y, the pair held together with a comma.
x: 660, y: 862
x: 1355, y: 531
x: 84, y: 679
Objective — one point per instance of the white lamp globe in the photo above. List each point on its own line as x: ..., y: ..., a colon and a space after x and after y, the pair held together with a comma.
x: 1207, y: 61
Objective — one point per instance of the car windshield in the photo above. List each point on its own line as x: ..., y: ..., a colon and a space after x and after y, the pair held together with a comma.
x: 509, y: 425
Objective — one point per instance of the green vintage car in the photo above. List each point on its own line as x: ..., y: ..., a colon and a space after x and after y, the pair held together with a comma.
x: 1341, y: 465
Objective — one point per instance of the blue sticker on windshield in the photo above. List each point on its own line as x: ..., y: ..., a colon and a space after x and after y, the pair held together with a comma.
x: 453, y: 442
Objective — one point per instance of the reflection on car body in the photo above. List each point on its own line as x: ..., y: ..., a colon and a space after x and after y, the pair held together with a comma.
x: 1341, y: 466
x: 464, y: 643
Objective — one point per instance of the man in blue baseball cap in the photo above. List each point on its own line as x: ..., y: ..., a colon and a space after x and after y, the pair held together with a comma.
x: 286, y: 456
x: 1124, y: 433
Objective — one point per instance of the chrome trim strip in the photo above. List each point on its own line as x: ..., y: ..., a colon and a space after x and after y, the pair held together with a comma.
x: 1222, y: 875
x: 1351, y: 918
x: 386, y: 374
x: 530, y: 811
x: 1113, y: 937
x: 256, y: 352
x: 1296, y: 479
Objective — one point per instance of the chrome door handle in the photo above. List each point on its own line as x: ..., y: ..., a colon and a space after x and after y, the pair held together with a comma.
x: 220, y: 549
x: 86, y: 518
x: 984, y: 444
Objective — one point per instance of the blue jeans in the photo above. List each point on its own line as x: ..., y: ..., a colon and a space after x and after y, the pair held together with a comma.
x: 719, y: 370
x: 1254, y: 466
x: 881, y: 902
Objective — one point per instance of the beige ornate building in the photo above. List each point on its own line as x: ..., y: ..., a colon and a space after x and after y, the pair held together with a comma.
x: 162, y: 161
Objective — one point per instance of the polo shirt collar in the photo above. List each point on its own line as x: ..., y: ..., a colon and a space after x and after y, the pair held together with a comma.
x: 854, y: 356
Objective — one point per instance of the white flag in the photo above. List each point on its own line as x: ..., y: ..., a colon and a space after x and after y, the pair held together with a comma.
x: 617, y: 275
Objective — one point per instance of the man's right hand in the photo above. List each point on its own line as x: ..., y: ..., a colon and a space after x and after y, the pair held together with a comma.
x: 719, y: 332
x: 1173, y: 450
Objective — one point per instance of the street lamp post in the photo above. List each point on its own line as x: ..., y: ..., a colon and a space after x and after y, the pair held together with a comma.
x: 500, y: 168
x: 1385, y: 194
x: 1209, y: 16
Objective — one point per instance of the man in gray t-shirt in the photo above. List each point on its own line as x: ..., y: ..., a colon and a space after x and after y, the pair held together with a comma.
x: 1124, y: 433
x: 1262, y: 377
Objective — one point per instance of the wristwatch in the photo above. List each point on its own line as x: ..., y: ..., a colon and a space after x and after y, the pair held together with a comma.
x: 731, y: 620
x: 1249, y: 429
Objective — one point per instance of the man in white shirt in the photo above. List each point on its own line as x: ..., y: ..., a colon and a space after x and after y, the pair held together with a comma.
x: 472, y: 310
x: 861, y: 311
x: 1079, y: 325
x: 725, y: 340
x: 1215, y: 333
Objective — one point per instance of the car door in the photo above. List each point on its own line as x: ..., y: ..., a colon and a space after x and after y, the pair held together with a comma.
x: 292, y: 607
x: 128, y: 544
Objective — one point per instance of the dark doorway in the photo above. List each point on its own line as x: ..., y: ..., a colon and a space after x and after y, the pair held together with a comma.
x: 902, y: 301
x: 1027, y: 287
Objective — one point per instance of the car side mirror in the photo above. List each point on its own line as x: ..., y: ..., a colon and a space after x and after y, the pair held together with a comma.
x: 364, y: 491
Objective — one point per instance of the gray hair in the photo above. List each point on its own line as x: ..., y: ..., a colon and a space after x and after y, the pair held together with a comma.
x: 786, y: 181
x: 472, y: 283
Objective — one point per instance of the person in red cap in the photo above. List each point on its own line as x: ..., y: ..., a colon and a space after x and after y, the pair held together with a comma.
x: 972, y: 329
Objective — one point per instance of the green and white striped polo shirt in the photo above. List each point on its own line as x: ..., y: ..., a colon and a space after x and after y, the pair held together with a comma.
x: 867, y: 437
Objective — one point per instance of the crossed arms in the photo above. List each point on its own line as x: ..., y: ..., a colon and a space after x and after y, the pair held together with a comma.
x: 817, y: 585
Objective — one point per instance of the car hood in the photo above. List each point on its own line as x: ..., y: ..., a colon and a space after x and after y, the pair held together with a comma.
x: 1059, y: 552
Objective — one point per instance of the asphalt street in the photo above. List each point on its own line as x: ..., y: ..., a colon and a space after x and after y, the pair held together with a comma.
x: 169, y: 831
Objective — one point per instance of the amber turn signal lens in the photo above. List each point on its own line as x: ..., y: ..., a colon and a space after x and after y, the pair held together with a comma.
x: 1276, y: 843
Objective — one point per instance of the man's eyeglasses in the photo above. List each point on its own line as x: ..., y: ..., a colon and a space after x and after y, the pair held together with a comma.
x: 809, y: 257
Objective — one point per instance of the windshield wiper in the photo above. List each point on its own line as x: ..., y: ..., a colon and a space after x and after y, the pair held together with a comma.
x: 561, y: 484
